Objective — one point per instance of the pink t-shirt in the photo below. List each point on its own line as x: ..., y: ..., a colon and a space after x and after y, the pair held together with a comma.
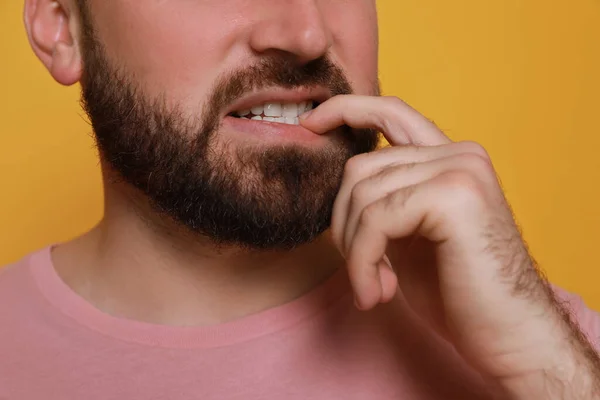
x: 56, y: 346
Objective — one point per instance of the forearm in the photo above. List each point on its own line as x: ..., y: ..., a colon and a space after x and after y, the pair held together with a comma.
x: 574, y: 373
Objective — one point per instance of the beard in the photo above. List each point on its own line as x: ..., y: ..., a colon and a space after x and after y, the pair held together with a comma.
x: 271, y: 197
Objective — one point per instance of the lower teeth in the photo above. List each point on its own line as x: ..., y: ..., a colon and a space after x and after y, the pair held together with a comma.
x: 277, y: 120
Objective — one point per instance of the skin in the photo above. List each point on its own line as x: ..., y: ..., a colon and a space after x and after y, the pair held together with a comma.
x: 160, y: 46
x: 433, y: 212
x: 427, y: 209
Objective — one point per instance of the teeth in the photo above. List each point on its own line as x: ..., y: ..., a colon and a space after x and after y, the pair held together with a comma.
x: 273, y: 109
x: 257, y: 110
x: 302, y: 108
x: 309, y: 106
x: 290, y: 110
x: 278, y: 120
x: 286, y: 113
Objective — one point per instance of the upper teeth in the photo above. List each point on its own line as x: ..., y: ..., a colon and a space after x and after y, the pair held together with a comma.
x: 277, y: 112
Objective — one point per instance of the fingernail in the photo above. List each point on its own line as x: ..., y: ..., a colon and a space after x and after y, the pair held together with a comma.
x: 305, y: 116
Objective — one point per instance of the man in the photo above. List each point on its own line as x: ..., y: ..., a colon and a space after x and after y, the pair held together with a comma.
x: 256, y: 245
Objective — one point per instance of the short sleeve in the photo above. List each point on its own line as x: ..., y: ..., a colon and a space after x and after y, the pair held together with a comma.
x: 587, y: 319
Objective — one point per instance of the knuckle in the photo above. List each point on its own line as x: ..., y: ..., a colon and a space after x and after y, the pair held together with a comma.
x: 368, y: 215
x: 462, y: 189
x: 361, y: 194
x: 355, y: 166
x: 458, y: 180
x: 391, y: 109
x: 399, y: 198
x: 394, y: 100
x: 476, y: 149
x: 477, y: 164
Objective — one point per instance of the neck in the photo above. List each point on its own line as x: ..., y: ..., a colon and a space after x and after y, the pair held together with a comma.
x: 132, y: 267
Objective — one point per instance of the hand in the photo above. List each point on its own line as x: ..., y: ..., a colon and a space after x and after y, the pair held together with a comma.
x: 429, y: 216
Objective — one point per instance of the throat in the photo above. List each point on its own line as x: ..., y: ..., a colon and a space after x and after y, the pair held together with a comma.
x: 152, y: 283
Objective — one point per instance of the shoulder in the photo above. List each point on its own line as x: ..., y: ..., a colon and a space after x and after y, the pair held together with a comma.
x: 10, y: 272
x: 17, y: 280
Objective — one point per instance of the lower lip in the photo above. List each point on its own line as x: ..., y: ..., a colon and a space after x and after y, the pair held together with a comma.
x: 270, y: 130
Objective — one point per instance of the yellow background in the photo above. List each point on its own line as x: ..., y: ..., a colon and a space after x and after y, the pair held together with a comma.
x: 521, y: 77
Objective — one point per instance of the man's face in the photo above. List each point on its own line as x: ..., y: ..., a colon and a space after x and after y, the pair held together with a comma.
x: 165, y: 83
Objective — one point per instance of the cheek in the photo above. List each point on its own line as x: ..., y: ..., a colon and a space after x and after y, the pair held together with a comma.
x: 354, y: 27
x: 179, y: 48
x: 172, y: 48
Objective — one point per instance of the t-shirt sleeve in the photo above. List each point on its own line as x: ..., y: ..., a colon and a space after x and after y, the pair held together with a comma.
x: 588, y: 319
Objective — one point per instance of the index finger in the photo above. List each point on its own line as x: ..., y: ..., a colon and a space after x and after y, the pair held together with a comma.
x: 399, y: 123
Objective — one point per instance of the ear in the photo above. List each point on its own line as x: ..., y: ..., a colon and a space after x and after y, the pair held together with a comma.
x: 53, y: 31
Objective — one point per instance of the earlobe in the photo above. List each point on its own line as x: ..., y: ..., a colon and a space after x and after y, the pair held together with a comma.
x: 52, y: 38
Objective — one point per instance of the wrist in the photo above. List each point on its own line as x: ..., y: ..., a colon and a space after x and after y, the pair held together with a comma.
x: 553, y: 385
x: 572, y: 371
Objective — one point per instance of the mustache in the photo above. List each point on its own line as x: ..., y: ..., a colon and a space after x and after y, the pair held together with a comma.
x: 280, y: 72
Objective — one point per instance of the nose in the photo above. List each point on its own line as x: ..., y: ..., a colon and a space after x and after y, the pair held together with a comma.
x: 295, y: 27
